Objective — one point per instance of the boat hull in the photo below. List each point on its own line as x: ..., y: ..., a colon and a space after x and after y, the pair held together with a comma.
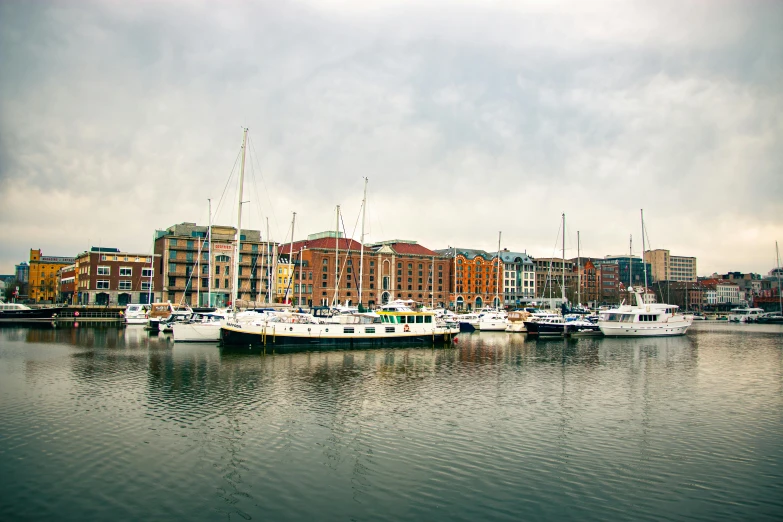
x: 517, y: 327
x: 196, y: 333
x: 495, y: 326
x: 34, y: 314
x: 638, y: 330
x: 317, y: 336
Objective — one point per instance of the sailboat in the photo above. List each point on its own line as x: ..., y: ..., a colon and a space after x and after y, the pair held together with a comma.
x: 561, y: 325
x: 643, y: 319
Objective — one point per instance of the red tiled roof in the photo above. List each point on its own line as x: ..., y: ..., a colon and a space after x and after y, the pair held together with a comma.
x: 412, y: 249
x: 326, y: 243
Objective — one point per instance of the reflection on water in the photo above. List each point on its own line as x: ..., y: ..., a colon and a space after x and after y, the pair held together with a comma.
x: 113, y: 422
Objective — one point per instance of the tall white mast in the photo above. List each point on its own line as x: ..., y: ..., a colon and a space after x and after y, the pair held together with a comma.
x: 209, y: 268
x: 291, y: 260
x: 455, y: 279
x: 780, y: 294
x: 361, y: 254
x: 578, y: 271
x: 268, y: 267
x: 563, y: 289
x: 152, y: 270
x: 500, y: 265
x: 644, y: 264
x: 630, y: 262
x: 432, y: 284
x: 336, y: 257
x: 235, y: 289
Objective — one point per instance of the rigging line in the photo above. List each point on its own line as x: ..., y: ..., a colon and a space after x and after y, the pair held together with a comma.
x: 231, y: 175
x: 345, y: 232
x: 261, y: 175
x: 549, y: 270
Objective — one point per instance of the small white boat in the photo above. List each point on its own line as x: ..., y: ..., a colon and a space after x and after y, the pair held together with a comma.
x: 516, y: 321
x: 136, y: 314
x: 202, y: 327
x: 492, y: 321
x: 744, y: 314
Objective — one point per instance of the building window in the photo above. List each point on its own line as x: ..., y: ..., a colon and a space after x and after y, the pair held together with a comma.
x: 146, y: 272
x: 102, y: 284
x: 126, y: 271
x: 145, y: 285
x: 125, y: 285
x: 104, y: 270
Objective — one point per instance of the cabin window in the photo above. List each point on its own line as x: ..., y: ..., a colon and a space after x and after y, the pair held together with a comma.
x: 369, y: 330
x: 427, y: 318
x: 389, y: 329
x: 419, y: 318
x: 348, y: 329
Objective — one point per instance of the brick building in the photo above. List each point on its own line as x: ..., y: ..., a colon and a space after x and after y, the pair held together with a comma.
x: 476, y: 278
x: 326, y: 269
x: 66, y: 284
x: 108, y: 276
x: 184, y: 251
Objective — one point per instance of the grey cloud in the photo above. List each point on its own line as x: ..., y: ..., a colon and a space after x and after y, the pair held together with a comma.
x: 467, y: 119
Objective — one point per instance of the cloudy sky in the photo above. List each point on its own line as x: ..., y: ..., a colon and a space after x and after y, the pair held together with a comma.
x: 468, y: 118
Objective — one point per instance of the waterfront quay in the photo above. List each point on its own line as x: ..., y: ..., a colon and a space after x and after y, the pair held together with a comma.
x: 101, y: 422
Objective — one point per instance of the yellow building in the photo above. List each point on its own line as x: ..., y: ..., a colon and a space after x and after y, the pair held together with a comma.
x: 284, y: 283
x: 43, y: 275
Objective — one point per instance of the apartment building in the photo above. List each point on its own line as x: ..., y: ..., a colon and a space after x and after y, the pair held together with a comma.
x: 109, y: 276
x: 666, y: 267
x: 187, y: 253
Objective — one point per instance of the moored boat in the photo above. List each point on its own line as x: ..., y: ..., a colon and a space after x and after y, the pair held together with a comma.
x: 17, y: 312
x: 399, y: 327
x: 643, y: 319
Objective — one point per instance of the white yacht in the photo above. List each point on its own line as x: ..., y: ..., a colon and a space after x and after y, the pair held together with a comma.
x: 643, y: 319
x: 492, y: 321
x: 203, y: 327
x: 136, y: 314
x: 745, y: 315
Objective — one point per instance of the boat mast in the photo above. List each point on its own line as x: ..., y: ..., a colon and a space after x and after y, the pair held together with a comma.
x: 291, y: 260
x: 268, y: 267
x: 644, y: 265
x: 578, y: 271
x: 630, y: 262
x: 152, y: 271
x: 564, y: 287
x: 455, y: 279
x: 336, y: 256
x: 361, y: 254
x: 235, y: 289
x: 432, y: 284
x: 497, y: 288
x: 780, y: 295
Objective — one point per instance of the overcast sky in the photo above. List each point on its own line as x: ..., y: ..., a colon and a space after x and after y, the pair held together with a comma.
x: 468, y: 118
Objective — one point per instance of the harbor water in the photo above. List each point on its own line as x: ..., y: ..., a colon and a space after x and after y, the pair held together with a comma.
x: 108, y: 423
